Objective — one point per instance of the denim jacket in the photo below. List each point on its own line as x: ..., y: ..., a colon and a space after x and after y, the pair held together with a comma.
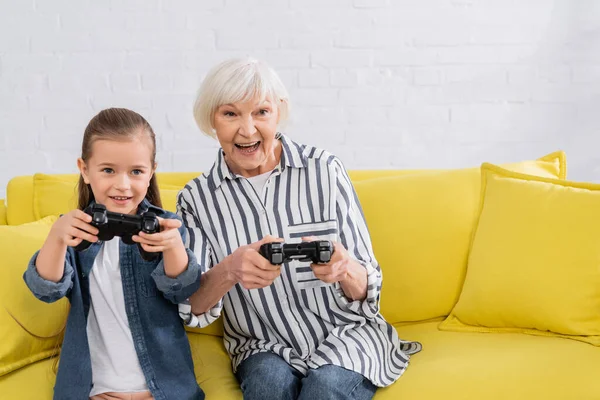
x: 151, y: 300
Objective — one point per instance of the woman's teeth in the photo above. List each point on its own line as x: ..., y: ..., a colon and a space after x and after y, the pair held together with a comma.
x: 248, y: 147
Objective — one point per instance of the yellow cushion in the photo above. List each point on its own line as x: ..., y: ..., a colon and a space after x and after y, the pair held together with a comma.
x: 54, y: 194
x: 2, y: 212
x: 534, y: 260
x: 421, y: 225
x: 30, y: 330
x: 19, y: 200
x: 471, y: 366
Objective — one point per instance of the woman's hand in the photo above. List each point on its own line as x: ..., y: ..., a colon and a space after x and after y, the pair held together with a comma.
x: 166, y: 240
x: 73, y: 228
x: 343, y: 269
x: 249, y: 268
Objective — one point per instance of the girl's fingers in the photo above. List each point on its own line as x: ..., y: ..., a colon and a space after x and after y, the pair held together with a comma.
x: 73, y: 242
x: 159, y: 237
x: 169, y: 223
x: 150, y: 239
x: 84, y: 226
x: 78, y: 233
x: 79, y: 214
x: 153, y: 249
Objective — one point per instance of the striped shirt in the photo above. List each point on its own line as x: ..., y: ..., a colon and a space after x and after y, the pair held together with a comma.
x: 307, y: 322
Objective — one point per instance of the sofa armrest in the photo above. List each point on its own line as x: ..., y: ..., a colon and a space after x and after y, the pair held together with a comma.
x: 2, y: 212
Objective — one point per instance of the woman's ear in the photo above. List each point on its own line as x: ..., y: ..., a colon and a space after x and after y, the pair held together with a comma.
x: 278, y: 106
x: 83, y: 170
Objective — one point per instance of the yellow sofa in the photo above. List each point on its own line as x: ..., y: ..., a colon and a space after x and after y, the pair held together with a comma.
x: 422, y: 224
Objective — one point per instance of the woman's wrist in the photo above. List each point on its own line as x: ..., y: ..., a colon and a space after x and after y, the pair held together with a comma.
x: 226, y: 271
x: 354, y: 284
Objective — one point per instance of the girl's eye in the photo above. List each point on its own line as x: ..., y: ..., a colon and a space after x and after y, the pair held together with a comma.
x: 108, y: 170
x: 137, y: 172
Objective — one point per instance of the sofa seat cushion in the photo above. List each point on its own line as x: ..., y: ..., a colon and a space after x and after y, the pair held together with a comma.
x: 213, y: 367
x: 451, y: 366
x: 495, y: 366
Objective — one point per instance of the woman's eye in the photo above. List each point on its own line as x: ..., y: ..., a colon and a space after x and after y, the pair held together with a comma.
x: 263, y: 112
x: 229, y: 114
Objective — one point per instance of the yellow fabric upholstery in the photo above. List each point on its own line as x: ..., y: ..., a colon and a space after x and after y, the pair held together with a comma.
x: 33, y: 382
x: 213, y: 367
x: 421, y: 225
x: 54, y: 194
x: 533, y: 266
x: 474, y: 366
x: 19, y: 200
x: 30, y: 330
x: 461, y: 366
x: 57, y: 194
x: 2, y: 213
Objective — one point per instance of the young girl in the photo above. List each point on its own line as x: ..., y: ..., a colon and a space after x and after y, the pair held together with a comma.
x: 124, y: 338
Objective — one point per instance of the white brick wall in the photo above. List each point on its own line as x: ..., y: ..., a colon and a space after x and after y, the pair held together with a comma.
x: 381, y: 83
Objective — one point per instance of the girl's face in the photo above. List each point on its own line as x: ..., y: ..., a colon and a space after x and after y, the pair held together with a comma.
x: 119, y: 172
x: 246, y: 132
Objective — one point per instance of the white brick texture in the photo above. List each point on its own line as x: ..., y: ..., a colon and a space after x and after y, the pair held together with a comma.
x: 381, y: 83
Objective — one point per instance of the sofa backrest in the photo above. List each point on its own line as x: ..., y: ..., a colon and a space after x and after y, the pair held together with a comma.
x: 420, y: 224
x: 25, y: 194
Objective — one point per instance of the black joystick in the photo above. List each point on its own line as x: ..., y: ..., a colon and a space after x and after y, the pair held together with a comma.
x: 111, y: 224
x: 317, y: 252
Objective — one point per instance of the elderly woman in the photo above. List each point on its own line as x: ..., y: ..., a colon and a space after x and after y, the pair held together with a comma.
x: 299, y: 330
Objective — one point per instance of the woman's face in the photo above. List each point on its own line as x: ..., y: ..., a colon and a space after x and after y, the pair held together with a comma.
x: 246, y: 132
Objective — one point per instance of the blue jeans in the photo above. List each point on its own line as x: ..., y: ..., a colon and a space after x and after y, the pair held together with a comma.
x: 265, y: 376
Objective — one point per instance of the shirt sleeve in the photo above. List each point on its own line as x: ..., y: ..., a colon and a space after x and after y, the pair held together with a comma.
x: 195, y: 241
x: 181, y: 287
x: 45, y: 290
x: 354, y: 236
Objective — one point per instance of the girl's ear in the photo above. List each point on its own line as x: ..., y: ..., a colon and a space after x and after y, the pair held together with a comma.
x: 83, y: 169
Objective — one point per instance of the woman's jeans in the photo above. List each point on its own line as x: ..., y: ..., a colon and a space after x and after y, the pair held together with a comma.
x: 265, y: 376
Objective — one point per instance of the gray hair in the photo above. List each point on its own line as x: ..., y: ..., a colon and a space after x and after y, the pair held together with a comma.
x: 238, y: 80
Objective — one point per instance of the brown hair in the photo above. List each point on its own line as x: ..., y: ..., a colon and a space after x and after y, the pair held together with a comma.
x: 116, y: 124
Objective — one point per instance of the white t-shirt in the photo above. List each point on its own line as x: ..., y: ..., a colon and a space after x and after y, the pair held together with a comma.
x: 258, y: 181
x: 115, y: 365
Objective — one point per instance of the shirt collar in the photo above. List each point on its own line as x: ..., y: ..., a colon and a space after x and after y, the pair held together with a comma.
x: 292, y: 155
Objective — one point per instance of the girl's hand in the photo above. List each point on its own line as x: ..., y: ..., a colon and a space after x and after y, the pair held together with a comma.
x: 72, y: 228
x: 249, y: 268
x: 167, y: 239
